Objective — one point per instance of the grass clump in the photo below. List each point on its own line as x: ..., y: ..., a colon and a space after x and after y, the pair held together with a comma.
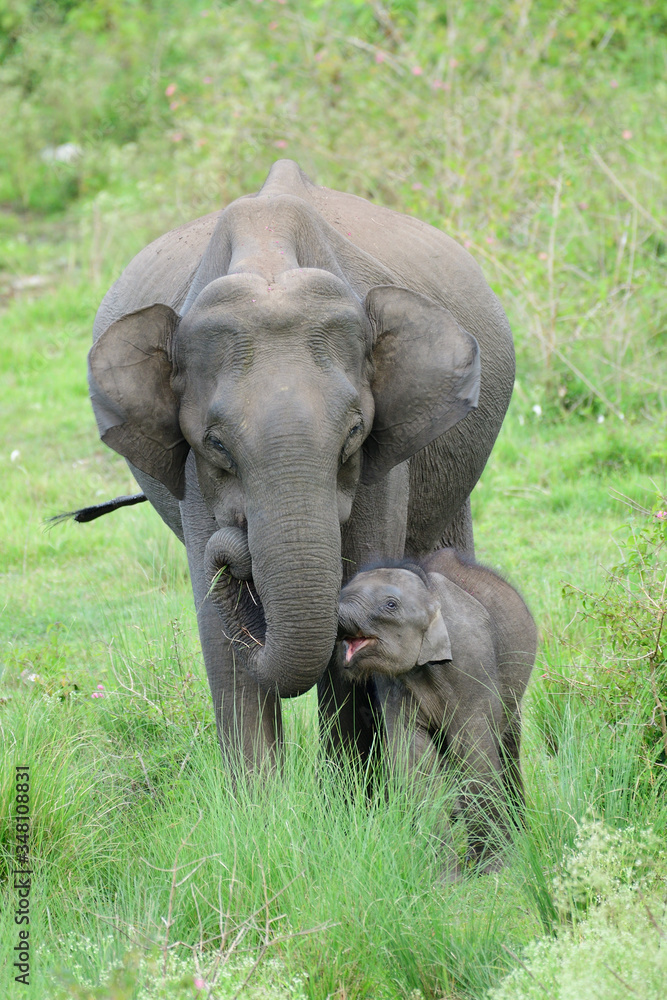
x: 619, y: 650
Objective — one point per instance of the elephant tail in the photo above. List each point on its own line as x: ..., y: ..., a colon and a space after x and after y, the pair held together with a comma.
x: 97, y: 510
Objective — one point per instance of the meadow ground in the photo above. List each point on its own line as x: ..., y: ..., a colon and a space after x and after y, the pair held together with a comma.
x: 533, y: 134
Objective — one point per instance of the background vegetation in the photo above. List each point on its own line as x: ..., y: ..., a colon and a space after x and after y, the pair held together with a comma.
x: 534, y: 134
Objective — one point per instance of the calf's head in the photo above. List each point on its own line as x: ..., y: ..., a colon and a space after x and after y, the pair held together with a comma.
x: 389, y: 622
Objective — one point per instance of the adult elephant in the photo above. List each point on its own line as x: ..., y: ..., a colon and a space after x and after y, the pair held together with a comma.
x: 299, y: 381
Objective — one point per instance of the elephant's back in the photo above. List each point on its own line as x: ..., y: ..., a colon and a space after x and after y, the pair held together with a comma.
x: 426, y: 260
x: 161, y: 272
x: 421, y: 258
x: 513, y: 623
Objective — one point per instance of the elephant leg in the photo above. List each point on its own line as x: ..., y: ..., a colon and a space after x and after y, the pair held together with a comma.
x: 348, y: 718
x: 377, y: 527
x: 458, y: 533
x: 510, y: 745
x: 248, y: 718
x: 415, y: 757
x: 483, y: 802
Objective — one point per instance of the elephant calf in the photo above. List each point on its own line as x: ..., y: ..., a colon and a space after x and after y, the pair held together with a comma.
x: 449, y: 646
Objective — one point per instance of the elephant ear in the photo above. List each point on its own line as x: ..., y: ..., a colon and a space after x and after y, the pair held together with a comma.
x: 129, y: 373
x: 427, y: 372
x: 435, y: 644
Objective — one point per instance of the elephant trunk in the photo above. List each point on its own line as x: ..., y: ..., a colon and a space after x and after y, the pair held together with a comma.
x: 281, y: 605
x: 227, y: 550
x: 296, y: 567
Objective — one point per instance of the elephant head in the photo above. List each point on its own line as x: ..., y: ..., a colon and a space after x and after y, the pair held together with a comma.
x: 390, y: 621
x: 290, y: 391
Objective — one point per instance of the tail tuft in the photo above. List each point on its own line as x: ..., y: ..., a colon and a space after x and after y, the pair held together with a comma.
x: 90, y: 513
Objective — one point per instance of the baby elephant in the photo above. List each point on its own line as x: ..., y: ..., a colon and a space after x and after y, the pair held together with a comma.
x: 449, y: 647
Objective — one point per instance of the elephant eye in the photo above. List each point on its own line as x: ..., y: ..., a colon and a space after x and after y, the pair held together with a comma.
x: 223, y: 455
x: 352, y: 442
x: 391, y: 604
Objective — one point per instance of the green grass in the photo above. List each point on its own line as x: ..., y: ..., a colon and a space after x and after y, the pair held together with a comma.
x: 529, y: 132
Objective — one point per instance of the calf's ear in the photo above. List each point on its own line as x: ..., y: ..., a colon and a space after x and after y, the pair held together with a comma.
x: 129, y: 373
x: 427, y: 372
x: 435, y: 644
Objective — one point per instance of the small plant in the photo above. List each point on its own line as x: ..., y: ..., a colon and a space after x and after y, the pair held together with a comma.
x: 601, y: 862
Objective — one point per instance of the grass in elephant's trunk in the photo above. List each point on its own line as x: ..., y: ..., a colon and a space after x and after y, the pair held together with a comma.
x: 241, y: 607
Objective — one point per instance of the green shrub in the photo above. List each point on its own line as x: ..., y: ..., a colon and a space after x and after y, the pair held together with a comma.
x: 611, y: 885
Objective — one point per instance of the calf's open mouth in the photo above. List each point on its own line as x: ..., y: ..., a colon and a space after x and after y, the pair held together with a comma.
x: 353, y: 643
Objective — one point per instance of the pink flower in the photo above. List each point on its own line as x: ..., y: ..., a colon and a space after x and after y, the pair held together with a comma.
x: 100, y: 687
x: 542, y: 255
x: 661, y: 515
x: 417, y: 186
x: 199, y: 983
x: 582, y: 205
x: 613, y: 83
x: 490, y: 239
x: 207, y: 79
x: 417, y: 71
x: 453, y: 63
x: 626, y: 133
x: 171, y: 89
x: 273, y: 25
x: 380, y: 57
x: 174, y: 104
x: 280, y: 144
x: 177, y: 136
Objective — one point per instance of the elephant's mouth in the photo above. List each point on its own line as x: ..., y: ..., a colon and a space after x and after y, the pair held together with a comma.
x: 352, y: 644
x: 241, y: 607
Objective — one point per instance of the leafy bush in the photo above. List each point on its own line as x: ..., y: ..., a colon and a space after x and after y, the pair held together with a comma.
x: 611, y: 884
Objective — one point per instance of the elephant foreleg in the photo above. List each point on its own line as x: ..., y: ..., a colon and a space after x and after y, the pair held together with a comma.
x: 458, y: 534
x: 414, y: 756
x: 483, y: 802
x: 347, y: 717
x: 377, y: 527
x: 248, y: 718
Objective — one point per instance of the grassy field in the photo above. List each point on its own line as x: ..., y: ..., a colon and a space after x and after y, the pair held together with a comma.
x: 532, y: 133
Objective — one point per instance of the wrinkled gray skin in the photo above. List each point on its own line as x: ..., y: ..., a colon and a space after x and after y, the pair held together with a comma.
x: 300, y: 378
x: 450, y: 652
